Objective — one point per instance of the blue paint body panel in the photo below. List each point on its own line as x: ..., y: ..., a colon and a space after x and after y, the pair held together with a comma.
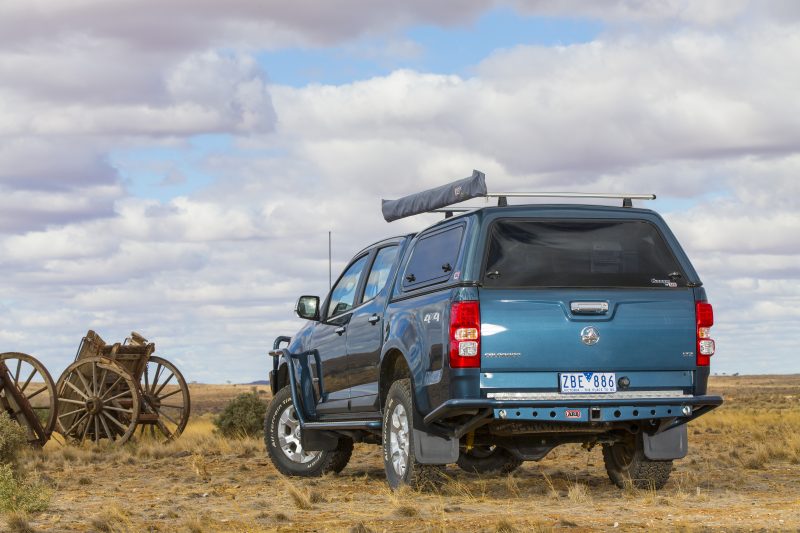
x: 528, y: 337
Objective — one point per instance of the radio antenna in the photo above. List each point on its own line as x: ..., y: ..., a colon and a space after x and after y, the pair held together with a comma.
x: 329, y: 261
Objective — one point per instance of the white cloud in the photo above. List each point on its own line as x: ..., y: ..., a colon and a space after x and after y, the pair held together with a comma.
x: 701, y: 108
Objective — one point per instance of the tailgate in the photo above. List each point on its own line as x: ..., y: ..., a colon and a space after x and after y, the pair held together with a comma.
x: 548, y: 330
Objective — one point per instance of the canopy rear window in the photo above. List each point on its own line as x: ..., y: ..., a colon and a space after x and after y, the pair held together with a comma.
x: 608, y: 253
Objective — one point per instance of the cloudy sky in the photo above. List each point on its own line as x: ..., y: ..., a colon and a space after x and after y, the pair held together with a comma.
x: 174, y: 166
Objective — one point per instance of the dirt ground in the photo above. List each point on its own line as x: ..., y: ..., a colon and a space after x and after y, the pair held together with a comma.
x: 742, y: 473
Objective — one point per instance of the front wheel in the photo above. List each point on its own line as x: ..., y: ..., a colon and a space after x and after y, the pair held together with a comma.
x: 285, y: 449
x: 627, y: 465
x: 399, y: 457
x: 488, y: 460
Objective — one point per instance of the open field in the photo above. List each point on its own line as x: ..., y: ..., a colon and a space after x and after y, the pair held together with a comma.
x: 742, y: 473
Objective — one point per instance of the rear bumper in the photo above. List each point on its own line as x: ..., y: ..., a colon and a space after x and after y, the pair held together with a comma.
x: 678, y: 410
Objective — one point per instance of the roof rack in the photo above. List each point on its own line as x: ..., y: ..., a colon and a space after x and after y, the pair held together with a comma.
x: 439, y: 199
x: 627, y: 199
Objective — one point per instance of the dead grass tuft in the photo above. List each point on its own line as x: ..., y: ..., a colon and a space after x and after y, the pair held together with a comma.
x: 300, y: 497
x: 579, y: 493
x: 113, y: 520
x: 504, y: 526
x: 200, y: 467
x: 407, y: 511
x: 18, y: 523
x: 194, y: 526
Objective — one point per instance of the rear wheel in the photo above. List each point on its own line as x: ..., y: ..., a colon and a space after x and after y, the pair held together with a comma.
x: 284, y: 446
x: 488, y: 460
x: 399, y: 457
x: 627, y: 465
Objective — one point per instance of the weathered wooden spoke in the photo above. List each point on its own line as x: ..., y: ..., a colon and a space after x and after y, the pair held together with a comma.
x: 77, y: 422
x: 86, y: 428
x: 19, y: 368
x: 76, y: 389
x: 37, y: 406
x: 38, y: 392
x: 72, y: 412
x: 109, y: 434
x: 120, y: 395
x: 100, y: 403
x: 164, y: 384
x: 129, y: 411
x: 176, y: 391
x: 111, y: 388
x: 117, y: 422
x: 161, y: 380
x: 70, y: 400
x: 28, y: 381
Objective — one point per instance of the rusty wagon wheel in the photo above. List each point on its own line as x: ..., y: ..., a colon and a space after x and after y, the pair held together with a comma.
x: 166, y: 395
x: 97, y: 399
x: 34, y: 383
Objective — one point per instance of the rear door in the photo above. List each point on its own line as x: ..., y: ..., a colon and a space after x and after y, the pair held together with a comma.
x: 364, y: 332
x: 584, y: 296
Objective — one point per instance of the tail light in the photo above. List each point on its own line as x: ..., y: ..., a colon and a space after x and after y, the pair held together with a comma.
x: 465, y: 335
x: 705, y: 344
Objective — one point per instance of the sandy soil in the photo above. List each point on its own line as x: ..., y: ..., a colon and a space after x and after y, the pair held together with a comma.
x: 742, y: 473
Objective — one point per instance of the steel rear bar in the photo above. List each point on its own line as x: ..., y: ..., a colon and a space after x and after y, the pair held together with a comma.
x: 486, y: 406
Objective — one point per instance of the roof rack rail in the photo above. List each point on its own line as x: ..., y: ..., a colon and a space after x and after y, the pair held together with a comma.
x: 627, y: 199
x: 439, y: 199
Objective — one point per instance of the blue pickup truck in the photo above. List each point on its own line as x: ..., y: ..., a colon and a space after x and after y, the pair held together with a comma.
x: 495, y: 335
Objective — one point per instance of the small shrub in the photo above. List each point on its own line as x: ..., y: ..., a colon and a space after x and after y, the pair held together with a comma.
x: 242, y: 417
x: 12, y: 438
x: 25, y: 496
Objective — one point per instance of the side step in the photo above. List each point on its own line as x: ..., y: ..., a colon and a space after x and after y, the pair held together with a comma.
x: 374, y: 425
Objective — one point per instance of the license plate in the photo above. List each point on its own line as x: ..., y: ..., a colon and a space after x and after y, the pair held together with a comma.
x: 587, y: 382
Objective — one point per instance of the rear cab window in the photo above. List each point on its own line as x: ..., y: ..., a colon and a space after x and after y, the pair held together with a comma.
x: 379, y: 272
x: 433, y: 258
x: 579, y: 253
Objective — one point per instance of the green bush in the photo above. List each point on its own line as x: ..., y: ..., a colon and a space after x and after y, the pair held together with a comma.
x: 12, y: 439
x: 243, y: 416
x: 16, y: 495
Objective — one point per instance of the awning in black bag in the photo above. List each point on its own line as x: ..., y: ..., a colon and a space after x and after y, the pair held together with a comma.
x: 426, y: 201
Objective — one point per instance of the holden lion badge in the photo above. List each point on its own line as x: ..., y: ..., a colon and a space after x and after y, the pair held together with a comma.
x: 590, y: 335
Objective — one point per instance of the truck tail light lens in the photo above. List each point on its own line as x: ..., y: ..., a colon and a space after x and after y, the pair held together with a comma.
x: 465, y: 335
x: 705, y: 344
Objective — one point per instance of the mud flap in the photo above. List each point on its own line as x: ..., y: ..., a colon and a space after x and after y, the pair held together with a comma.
x: 434, y: 450
x: 318, y: 440
x: 670, y: 444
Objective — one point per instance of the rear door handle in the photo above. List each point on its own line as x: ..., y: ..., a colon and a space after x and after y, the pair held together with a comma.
x: 589, y: 308
x: 374, y: 319
x: 340, y: 330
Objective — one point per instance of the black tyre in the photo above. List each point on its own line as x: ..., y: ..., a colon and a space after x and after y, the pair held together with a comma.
x: 627, y: 465
x: 399, y: 459
x: 282, y: 437
x: 488, y: 460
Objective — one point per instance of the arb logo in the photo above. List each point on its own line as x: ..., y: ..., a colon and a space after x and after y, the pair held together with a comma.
x: 572, y: 413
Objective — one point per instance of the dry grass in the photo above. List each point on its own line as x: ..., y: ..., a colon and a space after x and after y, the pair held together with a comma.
x: 742, y: 472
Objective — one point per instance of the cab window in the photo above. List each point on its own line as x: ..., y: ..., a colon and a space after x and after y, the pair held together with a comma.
x: 343, y: 295
x: 379, y: 273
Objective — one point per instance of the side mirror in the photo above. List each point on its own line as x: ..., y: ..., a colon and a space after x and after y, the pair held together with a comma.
x: 307, y: 307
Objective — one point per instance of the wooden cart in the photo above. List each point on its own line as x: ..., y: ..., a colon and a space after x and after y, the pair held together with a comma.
x: 111, y: 389
x: 28, y: 395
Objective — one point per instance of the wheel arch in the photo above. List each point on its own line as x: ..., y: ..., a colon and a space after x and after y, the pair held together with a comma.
x: 394, y: 366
